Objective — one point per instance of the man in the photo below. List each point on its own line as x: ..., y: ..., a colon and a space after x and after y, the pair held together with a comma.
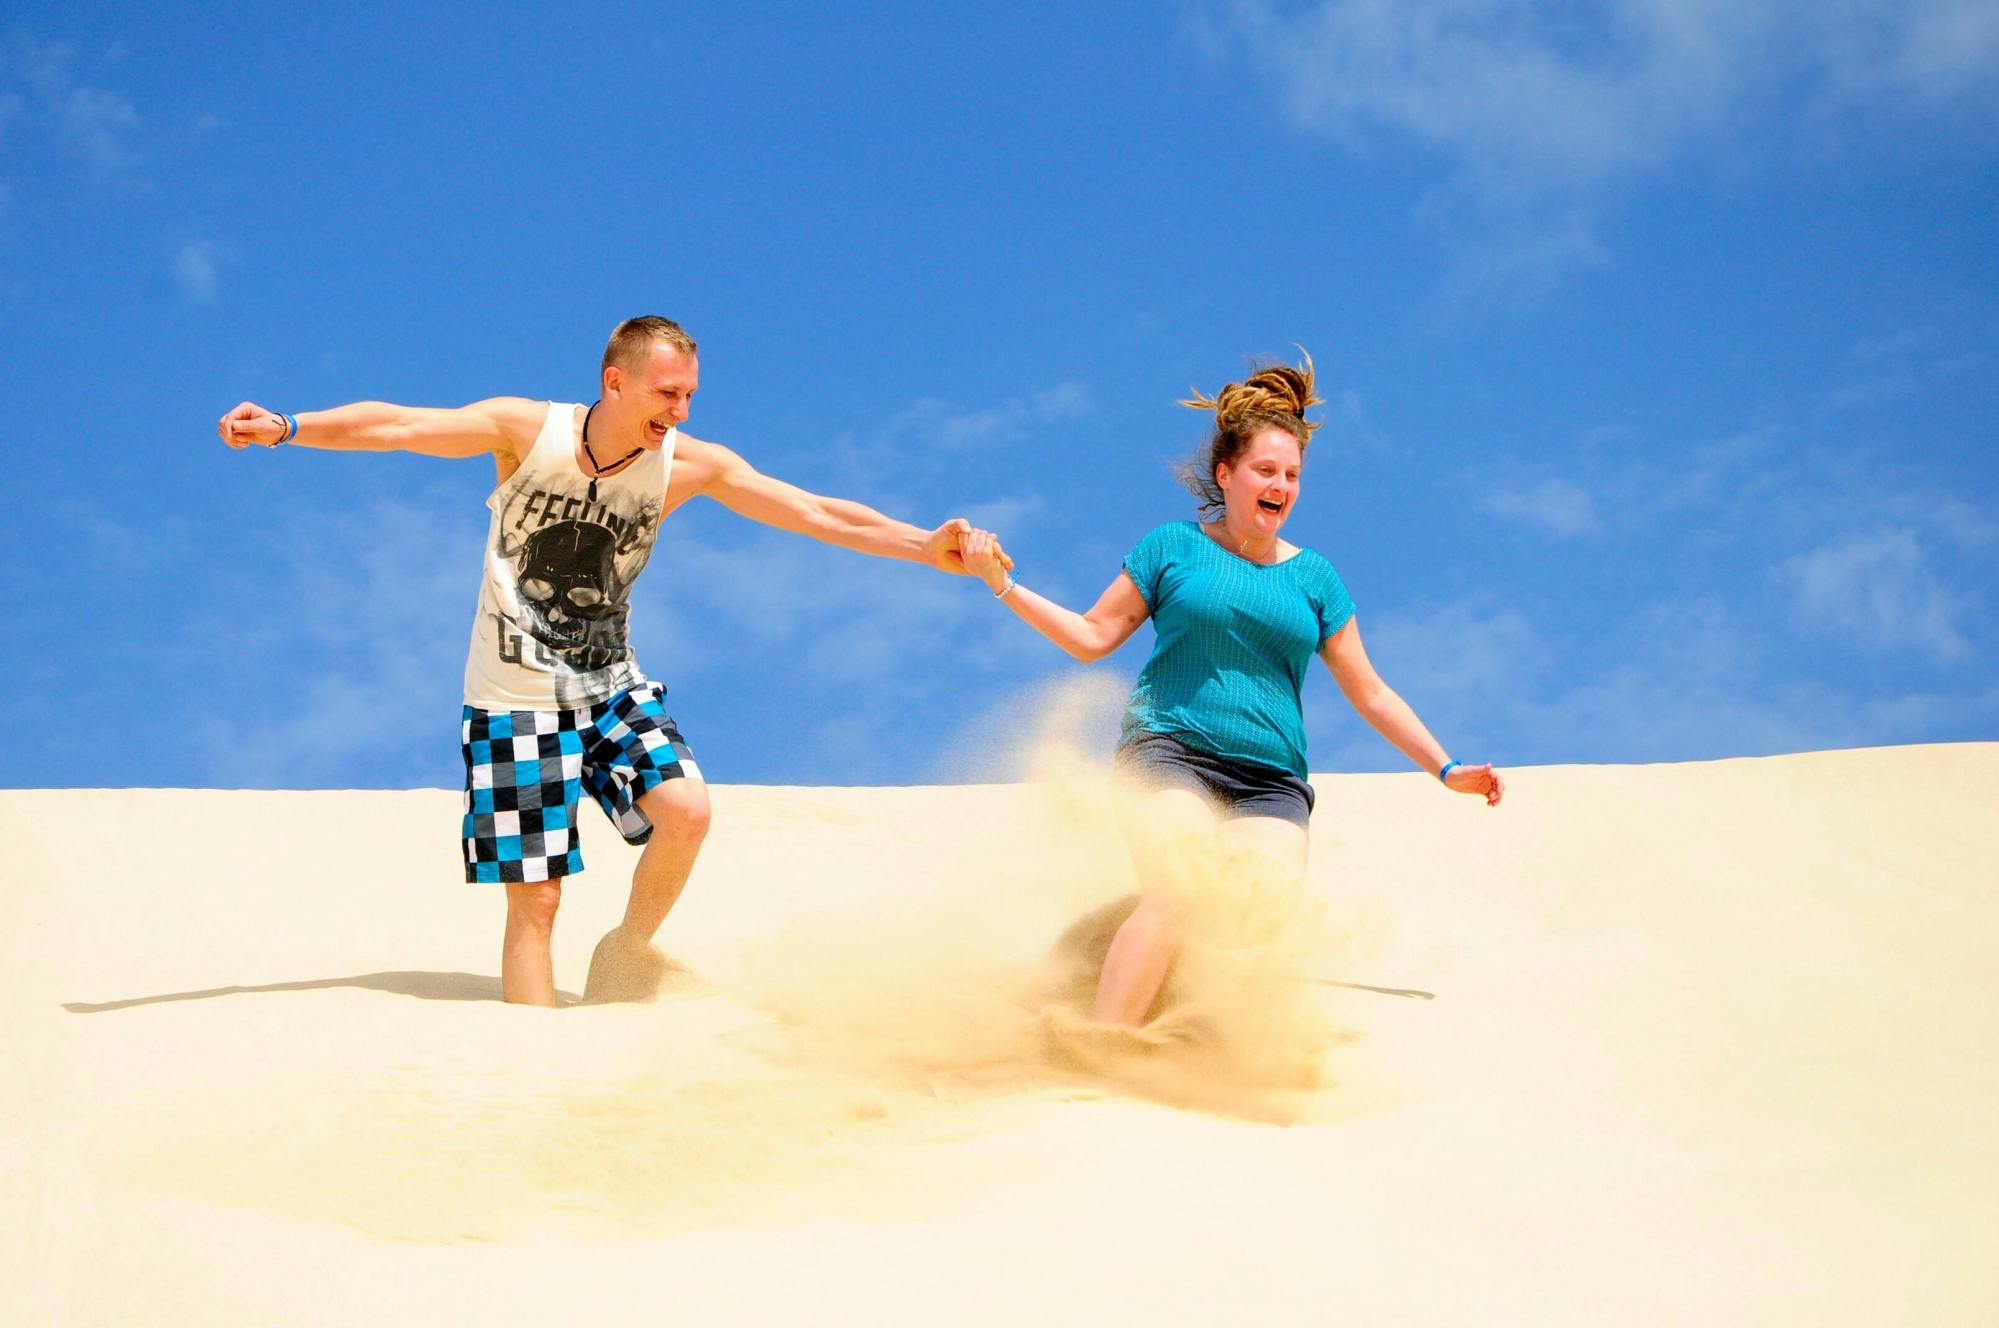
x: 555, y: 703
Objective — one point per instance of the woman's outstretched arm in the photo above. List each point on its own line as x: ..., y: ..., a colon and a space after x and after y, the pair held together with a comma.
x: 1087, y: 636
x: 1390, y: 715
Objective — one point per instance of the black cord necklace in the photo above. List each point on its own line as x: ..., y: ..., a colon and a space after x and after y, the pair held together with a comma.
x: 597, y: 465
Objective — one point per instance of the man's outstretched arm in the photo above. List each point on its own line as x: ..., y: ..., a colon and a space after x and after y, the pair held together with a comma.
x: 716, y: 472
x: 497, y: 425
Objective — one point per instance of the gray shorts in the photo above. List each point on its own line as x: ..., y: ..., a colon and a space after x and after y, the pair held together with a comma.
x: 1237, y: 788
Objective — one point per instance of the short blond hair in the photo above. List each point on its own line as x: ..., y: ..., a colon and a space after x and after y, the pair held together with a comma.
x: 632, y: 338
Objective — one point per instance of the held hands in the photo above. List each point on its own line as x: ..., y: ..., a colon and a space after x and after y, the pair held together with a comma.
x: 985, y: 559
x: 1480, y: 779
x: 945, y: 549
x: 250, y: 423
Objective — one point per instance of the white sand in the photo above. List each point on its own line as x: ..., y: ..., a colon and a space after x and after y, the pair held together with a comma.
x: 1711, y: 1043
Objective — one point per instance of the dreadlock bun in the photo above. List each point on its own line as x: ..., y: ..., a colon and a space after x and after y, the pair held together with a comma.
x: 1271, y: 390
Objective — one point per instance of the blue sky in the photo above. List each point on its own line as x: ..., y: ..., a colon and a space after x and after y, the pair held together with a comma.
x: 1660, y: 343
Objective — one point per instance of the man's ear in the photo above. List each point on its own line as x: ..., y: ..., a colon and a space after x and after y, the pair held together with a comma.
x: 614, y: 380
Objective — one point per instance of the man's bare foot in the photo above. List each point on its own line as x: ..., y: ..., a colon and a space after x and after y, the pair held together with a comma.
x: 623, y: 969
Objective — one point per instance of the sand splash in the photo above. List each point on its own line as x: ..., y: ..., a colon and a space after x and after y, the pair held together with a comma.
x: 991, y: 984
x: 829, y: 1064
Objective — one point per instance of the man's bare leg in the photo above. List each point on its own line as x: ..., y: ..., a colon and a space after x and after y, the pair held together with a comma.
x: 625, y: 966
x: 678, y: 810
x: 527, y: 972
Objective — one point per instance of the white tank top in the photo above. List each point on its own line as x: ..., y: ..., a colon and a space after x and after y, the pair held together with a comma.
x: 562, y: 552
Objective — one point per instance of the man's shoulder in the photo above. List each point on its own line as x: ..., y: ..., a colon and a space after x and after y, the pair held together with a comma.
x: 517, y: 412
x: 688, y: 446
x: 517, y: 420
x: 699, y: 460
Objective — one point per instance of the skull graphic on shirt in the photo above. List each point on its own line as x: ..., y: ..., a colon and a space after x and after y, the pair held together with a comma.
x: 572, y: 594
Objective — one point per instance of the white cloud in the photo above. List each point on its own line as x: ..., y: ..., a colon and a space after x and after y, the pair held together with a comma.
x: 351, y: 634
x: 1894, y: 369
x: 1512, y: 101
x: 1457, y: 663
x: 1527, y: 256
x: 932, y: 449
x: 849, y: 650
x: 1510, y: 89
x: 1872, y: 391
x: 1554, y: 505
x: 1895, y: 345
x: 1619, y: 484
x: 194, y: 272
x: 1348, y: 423
x: 1002, y: 515
x: 1947, y: 48
x: 842, y: 617
x: 1706, y: 473
x: 1684, y: 680
x: 1064, y: 401
x: 1963, y: 524
x: 943, y: 424
x: 1878, y: 592
x: 348, y: 636
x: 1541, y: 115
x: 92, y: 125
x: 1957, y: 364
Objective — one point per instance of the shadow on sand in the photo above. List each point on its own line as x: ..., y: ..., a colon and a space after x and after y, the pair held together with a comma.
x: 423, y: 986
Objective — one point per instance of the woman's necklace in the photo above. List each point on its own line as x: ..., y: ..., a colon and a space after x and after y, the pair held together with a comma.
x: 595, y: 464
x: 1242, y: 548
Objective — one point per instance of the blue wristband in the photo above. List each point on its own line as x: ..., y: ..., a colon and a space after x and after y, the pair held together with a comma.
x: 1448, y: 767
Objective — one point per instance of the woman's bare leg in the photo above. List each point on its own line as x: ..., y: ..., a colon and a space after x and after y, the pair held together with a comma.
x: 1142, y: 951
x: 1283, y: 842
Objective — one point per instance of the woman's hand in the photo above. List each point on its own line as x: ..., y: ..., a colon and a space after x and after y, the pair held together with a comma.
x: 1480, y: 779
x: 984, y: 558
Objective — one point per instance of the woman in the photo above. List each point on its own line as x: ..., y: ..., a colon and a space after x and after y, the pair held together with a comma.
x: 1215, y: 724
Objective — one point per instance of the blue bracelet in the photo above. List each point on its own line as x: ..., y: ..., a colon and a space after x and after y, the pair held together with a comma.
x: 1448, y: 767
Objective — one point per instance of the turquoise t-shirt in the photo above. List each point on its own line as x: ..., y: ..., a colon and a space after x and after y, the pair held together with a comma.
x: 1235, y: 639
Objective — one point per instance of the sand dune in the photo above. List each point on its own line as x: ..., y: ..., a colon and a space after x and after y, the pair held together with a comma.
x: 1711, y: 1043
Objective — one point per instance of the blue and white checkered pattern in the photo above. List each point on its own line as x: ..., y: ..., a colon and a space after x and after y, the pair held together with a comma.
x: 526, y: 772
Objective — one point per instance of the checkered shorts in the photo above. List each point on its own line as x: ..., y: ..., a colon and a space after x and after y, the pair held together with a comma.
x: 526, y: 770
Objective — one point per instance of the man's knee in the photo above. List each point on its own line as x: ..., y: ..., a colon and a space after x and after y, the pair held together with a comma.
x: 532, y: 904
x: 678, y: 810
